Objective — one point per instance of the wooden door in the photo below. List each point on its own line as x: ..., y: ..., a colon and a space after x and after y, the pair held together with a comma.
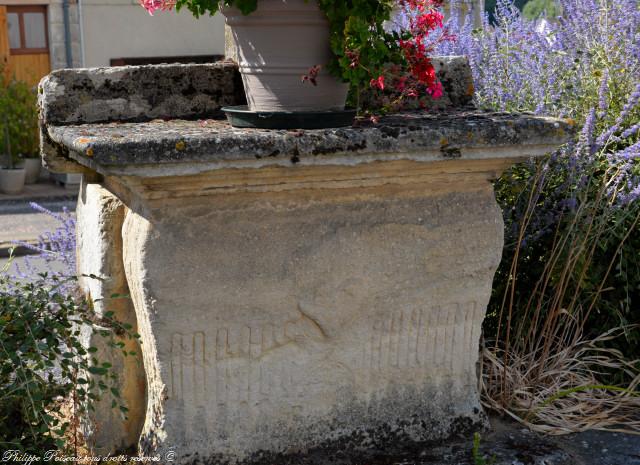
x: 24, y: 33
x: 4, y: 41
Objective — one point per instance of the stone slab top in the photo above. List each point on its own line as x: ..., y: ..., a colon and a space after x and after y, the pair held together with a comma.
x: 182, y: 91
x: 166, y: 120
x: 138, y: 93
x: 183, y: 147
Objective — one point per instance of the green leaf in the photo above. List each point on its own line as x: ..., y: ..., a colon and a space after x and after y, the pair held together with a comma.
x: 97, y: 370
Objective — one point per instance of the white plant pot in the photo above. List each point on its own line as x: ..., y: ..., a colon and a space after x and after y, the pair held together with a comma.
x: 276, y: 45
x: 12, y: 181
x: 32, y: 167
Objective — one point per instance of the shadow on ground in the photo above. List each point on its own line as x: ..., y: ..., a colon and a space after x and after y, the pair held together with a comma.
x: 508, y: 443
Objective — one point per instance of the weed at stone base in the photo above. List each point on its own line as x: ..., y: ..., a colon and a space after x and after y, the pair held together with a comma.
x: 478, y: 457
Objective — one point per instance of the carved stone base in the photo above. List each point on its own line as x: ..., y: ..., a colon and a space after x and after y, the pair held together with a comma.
x: 277, y: 322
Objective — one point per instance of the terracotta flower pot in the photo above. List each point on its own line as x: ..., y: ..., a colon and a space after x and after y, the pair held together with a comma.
x: 277, y: 45
x: 12, y: 180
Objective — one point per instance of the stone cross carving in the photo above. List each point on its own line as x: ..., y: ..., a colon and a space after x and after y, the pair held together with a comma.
x: 294, y: 290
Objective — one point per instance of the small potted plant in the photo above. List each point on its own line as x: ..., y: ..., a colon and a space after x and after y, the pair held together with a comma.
x: 25, y: 129
x: 11, y: 177
x: 18, y: 102
x: 315, y: 55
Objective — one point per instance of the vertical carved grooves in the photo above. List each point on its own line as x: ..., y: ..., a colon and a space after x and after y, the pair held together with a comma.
x: 188, y: 366
x: 443, y: 338
x: 135, y: 235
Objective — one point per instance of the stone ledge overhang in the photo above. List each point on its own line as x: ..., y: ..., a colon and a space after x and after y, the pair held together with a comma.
x: 162, y: 148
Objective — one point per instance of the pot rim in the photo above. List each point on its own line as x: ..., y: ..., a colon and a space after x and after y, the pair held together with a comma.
x: 276, y: 12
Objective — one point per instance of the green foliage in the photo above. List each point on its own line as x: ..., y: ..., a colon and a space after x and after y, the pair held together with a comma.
x: 357, y: 26
x: 18, y: 108
x: 45, y: 369
x: 537, y: 8
x: 478, y: 457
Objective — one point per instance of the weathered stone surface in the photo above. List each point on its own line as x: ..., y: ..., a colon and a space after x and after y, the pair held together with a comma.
x: 93, y: 95
x: 72, y: 96
x: 138, y: 93
x: 315, y: 317
x: 131, y: 93
x: 70, y: 99
x: 176, y: 147
x: 55, y: 157
x: 457, y: 81
x: 99, y: 237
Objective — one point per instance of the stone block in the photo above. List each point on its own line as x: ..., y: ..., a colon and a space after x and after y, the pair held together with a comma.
x: 125, y: 94
x: 100, y: 216
x: 55, y: 14
x: 284, y: 321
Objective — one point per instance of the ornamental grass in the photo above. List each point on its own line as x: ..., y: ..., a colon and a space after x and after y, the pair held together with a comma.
x: 562, y: 329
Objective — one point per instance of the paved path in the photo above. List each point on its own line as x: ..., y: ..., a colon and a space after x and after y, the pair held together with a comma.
x: 20, y: 222
x: 45, y: 190
x: 20, y: 262
x: 25, y: 226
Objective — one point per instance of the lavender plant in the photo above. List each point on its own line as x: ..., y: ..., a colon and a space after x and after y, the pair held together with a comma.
x: 50, y: 376
x: 571, y: 268
x: 54, y: 253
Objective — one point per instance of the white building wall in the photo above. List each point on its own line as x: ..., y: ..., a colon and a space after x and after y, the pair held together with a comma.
x: 122, y: 28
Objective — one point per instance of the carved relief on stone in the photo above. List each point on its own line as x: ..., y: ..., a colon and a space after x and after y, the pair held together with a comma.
x: 259, y: 363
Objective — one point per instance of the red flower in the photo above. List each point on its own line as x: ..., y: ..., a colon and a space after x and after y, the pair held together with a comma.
x: 400, y: 85
x: 436, y: 90
x: 377, y: 83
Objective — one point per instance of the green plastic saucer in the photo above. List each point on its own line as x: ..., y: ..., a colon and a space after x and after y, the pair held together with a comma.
x: 242, y: 117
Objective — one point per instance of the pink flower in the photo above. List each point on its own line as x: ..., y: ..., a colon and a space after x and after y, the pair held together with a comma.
x: 436, y: 90
x: 412, y: 93
x: 312, y: 75
x: 354, y: 57
x: 152, y: 5
x: 377, y: 83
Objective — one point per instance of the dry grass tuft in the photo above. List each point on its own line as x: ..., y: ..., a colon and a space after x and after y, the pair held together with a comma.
x: 563, y: 392
x: 543, y: 371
